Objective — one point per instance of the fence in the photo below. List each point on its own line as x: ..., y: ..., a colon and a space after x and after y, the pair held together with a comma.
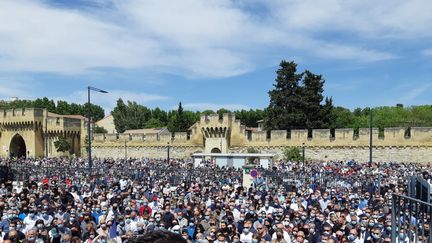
x: 420, y: 189
x: 411, y: 218
x: 106, y: 175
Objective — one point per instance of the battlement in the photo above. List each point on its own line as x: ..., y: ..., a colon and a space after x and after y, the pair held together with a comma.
x: 63, y: 124
x: 21, y: 115
x: 162, y: 139
x: 213, y: 120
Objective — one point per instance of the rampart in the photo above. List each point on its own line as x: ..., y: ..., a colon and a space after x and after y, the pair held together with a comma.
x: 227, y: 134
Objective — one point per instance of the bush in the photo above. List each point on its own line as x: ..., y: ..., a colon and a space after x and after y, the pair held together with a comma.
x: 292, y: 154
x: 62, y: 145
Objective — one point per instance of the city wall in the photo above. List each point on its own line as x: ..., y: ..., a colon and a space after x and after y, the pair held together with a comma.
x: 320, y: 144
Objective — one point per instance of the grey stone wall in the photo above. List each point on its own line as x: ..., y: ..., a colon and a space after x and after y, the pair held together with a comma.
x: 361, y: 154
x: 145, y: 152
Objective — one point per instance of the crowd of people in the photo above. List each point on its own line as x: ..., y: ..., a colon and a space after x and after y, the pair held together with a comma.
x: 61, y: 200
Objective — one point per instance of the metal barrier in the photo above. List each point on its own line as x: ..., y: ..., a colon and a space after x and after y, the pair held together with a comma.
x: 105, y: 175
x: 411, y: 218
x: 420, y: 189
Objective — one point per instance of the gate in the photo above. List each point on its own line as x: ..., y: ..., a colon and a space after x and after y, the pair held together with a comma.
x: 412, y: 217
x: 420, y: 189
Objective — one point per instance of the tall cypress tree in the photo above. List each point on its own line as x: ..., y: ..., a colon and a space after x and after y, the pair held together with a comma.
x: 295, y: 101
x: 285, y: 108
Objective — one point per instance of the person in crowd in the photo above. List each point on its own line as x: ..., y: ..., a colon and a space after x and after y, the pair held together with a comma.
x: 153, y: 200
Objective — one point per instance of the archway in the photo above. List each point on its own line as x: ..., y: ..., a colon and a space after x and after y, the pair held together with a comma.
x: 216, y: 151
x: 18, y: 147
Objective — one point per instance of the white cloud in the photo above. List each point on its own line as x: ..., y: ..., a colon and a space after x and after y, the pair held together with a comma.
x: 214, y: 107
x: 195, y: 38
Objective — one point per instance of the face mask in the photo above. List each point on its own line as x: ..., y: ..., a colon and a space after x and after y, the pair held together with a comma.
x: 31, y: 238
x: 375, y: 236
x: 246, y: 231
x: 353, y: 222
x: 389, y: 228
x: 352, y: 237
x: 40, y: 226
x: 401, y: 236
x: 371, y: 225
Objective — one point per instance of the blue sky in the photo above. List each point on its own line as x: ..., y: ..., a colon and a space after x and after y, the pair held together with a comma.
x: 210, y: 54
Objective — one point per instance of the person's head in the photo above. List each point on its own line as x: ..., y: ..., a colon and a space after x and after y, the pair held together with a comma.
x: 300, y: 237
x: 31, y: 235
x: 353, y: 234
x: 13, y: 234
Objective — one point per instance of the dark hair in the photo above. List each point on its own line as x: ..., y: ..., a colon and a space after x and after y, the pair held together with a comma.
x: 158, y: 236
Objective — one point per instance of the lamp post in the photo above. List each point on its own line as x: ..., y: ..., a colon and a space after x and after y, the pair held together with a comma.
x: 303, y: 154
x: 89, y: 121
x: 168, y: 151
x: 370, y: 138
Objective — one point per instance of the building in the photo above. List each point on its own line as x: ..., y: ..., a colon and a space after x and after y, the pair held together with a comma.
x: 107, y: 123
x: 32, y: 133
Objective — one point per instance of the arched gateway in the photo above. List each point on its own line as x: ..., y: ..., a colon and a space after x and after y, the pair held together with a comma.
x: 18, y: 147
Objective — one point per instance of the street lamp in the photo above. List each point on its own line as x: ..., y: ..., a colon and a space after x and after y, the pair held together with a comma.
x: 303, y: 154
x: 168, y: 151
x: 89, y: 120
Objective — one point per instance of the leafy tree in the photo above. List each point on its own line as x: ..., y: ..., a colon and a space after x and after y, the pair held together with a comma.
x: 343, y: 117
x: 160, y: 115
x: 182, y: 120
x: 153, y: 123
x: 119, y: 114
x: 97, y: 112
x: 62, y: 145
x: 222, y: 111
x: 99, y: 129
x: 207, y: 112
x: 295, y: 101
x: 292, y: 154
x: 284, y: 111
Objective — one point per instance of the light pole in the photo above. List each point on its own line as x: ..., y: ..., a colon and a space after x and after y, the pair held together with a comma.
x: 370, y: 138
x: 168, y: 151
x: 303, y: 154
x: 89, y: 121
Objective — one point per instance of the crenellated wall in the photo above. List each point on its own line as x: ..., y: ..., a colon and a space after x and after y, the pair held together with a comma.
x: 229, y: 136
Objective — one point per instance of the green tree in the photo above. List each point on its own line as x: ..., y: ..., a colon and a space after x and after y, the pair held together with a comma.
x: 62, y: 145
x: 296, y: 100
x: 222, y: 111
x: 153, y: 123
x: 182, y: 120
x: 130, y: 116
x: 344, y: 118
x: 119, y: 114
x: 63, y: 108
x: 99, y: 129
x: 292, y: 154
x: 97, y: 112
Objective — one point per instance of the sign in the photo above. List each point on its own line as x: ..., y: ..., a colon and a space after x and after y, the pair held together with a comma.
x: 247, y: 170
x: 254, y: 173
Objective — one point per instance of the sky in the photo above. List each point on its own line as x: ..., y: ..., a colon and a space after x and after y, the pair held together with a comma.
x: 210, y: 54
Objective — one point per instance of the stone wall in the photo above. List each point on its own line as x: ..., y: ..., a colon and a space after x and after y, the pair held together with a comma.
x: 361, y: 154
x: 183, y: 152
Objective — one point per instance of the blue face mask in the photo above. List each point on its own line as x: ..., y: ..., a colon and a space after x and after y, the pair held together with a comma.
x: 352, y: 237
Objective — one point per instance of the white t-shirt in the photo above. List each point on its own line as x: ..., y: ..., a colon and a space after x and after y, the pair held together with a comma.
x: 246, y: 238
